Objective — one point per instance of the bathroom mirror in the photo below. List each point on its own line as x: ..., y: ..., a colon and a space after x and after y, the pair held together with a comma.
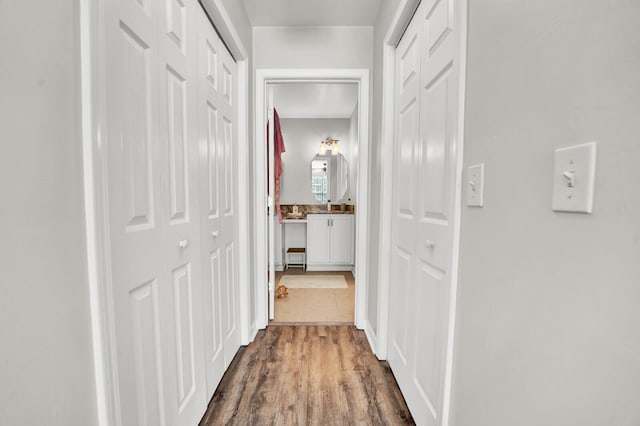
x: 329, y: 177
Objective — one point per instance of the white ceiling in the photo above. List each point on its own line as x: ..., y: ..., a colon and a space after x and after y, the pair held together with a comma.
x: 315, y: 100
x: 319, y: 13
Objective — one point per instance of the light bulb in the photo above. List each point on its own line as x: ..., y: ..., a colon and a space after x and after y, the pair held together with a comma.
x: 323, y: 148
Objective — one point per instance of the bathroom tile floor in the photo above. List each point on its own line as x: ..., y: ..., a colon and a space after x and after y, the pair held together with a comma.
x: 315, y: 305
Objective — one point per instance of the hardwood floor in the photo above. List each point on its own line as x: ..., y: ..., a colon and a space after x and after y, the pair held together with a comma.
x: 307, y: 375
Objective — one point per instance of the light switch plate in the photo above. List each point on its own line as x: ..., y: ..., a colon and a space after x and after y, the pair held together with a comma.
x: 475, y: 185
x: 574, y: 178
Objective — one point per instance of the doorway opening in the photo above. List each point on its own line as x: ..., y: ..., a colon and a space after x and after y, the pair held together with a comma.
x: 316, y: 124
x: 325, y: 237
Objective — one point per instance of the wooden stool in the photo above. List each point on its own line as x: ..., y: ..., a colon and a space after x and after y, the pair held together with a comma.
x: 296, y: 258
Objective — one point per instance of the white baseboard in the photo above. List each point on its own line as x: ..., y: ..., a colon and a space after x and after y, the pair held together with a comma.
x: 253, y: 332
x: 372, y: 338
x: 327, y: 268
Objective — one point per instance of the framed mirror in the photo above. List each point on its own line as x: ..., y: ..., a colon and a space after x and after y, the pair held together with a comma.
x: 329, y: 177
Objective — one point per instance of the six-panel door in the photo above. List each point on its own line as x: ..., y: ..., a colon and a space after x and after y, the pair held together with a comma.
x: 165, y: 303
x: 425, y: 164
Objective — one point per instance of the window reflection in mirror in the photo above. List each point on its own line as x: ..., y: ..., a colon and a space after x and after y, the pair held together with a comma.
x: 329, y: 177
x: 319, y: 178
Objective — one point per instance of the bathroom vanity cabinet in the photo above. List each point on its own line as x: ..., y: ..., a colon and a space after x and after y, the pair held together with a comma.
x: 330, y: 242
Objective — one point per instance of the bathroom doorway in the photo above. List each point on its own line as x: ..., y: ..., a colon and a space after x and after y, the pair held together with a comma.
x: 315, y: 250
x: 314, y: 234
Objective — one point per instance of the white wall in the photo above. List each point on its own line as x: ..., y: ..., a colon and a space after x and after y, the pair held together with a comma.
x: 548, y: 329
x: 302, y: 138
x: 46, y: 367
x: 238, y: 15
x: 312, y: 47
x: 385, y: 15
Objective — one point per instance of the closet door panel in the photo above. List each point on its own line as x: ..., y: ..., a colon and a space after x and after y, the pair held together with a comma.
x: 178, y: 93
x: 133, y: 170
x: 183, y: 288
x: 408, y: 106
x: 211, y: 167
x: 177, y: 22
x: 402, y: 299
x: 213, y: 160
x: 213, y: 338
x: 227, y: 89
x: 170, y: 154
x: 425, y: 162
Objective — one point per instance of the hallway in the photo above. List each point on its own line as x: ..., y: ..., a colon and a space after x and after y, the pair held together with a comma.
x: 307, y: 375
x: 496, y: 233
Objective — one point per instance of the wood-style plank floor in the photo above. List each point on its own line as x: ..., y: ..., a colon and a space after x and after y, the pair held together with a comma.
x: 307, y: 375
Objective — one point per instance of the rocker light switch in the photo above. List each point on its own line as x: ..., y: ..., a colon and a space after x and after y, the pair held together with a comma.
x: 475, y: 185
x: 574, y: 178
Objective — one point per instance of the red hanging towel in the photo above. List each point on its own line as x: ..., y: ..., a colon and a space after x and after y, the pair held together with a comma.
x: 277, y: 160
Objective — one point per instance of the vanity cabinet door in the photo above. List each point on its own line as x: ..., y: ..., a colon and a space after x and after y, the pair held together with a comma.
x: 318, y: 238
x: 329, y: 242
x: 341, y: 230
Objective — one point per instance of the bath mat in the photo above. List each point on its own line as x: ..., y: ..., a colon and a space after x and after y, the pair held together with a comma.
x: 314, y: 281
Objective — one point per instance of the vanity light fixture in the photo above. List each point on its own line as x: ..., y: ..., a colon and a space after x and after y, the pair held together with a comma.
x: 329, y: 144
x: 323, y: 148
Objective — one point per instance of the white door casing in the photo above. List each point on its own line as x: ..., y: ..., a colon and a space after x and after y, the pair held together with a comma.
x: 425, y: 209
x: 271, y: 204
x: 265, y: 76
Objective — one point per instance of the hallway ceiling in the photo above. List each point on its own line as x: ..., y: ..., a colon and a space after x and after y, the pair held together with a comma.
x: 315, y: 100
x: 319, y: 13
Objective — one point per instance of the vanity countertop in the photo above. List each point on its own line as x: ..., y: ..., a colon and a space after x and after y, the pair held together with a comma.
x: 305, y: 209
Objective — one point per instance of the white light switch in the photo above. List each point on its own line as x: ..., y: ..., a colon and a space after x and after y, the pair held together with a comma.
x: 475, y: 185
x: 574, y: 178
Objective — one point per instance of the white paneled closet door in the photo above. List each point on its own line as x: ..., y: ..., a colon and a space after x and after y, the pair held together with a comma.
x: 218, y: 135
x: 425, y: 169
x: 174, y: 304
x: 178, y: 92
x: 141, y: 287
x: 229, y: 191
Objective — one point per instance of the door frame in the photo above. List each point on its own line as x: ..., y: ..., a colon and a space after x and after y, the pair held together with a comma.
x: 266, y: 76
x: 96, y: 202
x: 404, y: 14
